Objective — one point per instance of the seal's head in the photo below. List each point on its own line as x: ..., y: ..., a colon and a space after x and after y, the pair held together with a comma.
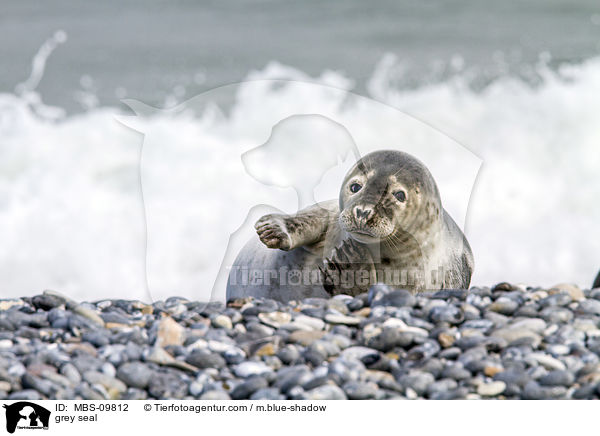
x: 388, y: 193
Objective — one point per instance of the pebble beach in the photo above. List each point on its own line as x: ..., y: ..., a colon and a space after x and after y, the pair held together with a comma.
x: 502, y: 342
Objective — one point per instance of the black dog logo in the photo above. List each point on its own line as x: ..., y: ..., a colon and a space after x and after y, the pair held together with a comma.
x: 26, y: 415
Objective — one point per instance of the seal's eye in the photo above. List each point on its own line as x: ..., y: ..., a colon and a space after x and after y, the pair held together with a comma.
x: 355, y: 187
x: 400, y: 196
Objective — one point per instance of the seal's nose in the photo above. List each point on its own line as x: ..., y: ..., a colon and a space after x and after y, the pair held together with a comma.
x: 362, y: 213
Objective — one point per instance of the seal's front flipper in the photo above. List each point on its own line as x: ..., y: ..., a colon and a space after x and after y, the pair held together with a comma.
x: 349, y: 270
x: 272, y: 231
x: 306, y: 228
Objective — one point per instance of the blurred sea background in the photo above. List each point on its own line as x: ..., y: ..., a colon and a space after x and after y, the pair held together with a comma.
x: 516, y: 82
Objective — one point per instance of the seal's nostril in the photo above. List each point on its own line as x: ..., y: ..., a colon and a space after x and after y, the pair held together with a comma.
x: 362, y: 213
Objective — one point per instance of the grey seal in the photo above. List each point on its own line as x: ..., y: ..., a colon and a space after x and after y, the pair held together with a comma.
x: 387, y: 226
x: 597, y: 281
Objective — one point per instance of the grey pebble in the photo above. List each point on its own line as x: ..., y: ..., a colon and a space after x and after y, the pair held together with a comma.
x: 25, y: 394
x: 504, y: 305
x: 326, y: 392
x: 249, y: 368
x: 557, y: 378
x: 356, y: 390
x: 201, y: 358
x: 167, y: 386
x: 443, y: 385
x: 135, y: 374
x: 418, y: 381
x: 395, y: 298
x: 267, y: 394
x: 248, y: 387
x: 70, y: 371
x: 585, y: 392
x: 456, y: 371
x: 533, y: 391
x: 591, y: 307
x: 449, y: 314
x: 215, y: 395
x: 47, y: 302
